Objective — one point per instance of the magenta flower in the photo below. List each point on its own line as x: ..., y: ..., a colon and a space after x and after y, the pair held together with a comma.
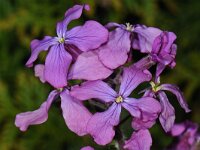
x: 100, y: 126
x: 73, y: 110
x: 83, y: 38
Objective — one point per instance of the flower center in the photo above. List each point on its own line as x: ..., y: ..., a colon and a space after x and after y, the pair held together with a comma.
x: 129, y: 27
x: 119, y: 99
x: 61, y: 40
x: 155, y: 87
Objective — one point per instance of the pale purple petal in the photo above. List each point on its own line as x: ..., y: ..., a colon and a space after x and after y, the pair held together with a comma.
x: 112, y: 25
x: 146, y: 37
x: 114, y: 53
x: 39, y: 116
x: 94, y: 89
x: 176, y: 91
x: 89, y: 67
x: 146, y: 108
x: 57, y: 63
x: 139, y: 124
x: 87, y: 37
x: 131, y: 78
x: 101, y: 124
x: 167, y: 115
x: 39, y: 45
x: 159, y: 69
x: 75, y: 113
x: 140, y: 140
x: 39, y: 72
x: 87, y: 148
x: 178, y: 129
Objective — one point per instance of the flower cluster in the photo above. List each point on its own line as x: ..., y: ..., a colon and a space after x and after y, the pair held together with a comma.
x: 101, y: 58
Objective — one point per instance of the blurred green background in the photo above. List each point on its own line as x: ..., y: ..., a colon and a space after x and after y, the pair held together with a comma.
x: 21, y: 21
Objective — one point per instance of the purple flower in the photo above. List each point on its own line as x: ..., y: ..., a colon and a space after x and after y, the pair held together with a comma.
x: 81, y: 38
x: 167, y: 115
x: 140, y: 140
x: 101, y: 124
x: 73, y: 111
x: 87, y: 148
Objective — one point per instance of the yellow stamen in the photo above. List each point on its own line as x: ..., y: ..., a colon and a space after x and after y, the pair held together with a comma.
x: 155, y: 87
x: 61, y: 40
x: 119, y: 99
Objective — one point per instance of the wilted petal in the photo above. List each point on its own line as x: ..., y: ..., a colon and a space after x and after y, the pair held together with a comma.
x: 94, y: 89
x: 57, y: 63
x: 146, y: 37
x: 39, y: 72
x: 89, y: 67
x: 167, y: 115
x: 114, y: 53
x: 139, y: 124
x: 146, y: 108
x: 176, y: 91
x: 140, y: 140
x: 75, y: 114
x: 87, y: 37
x: 39, y: 45
x: 24, y: 120
x: 101, y: 124
x: 131, y: 78
x: 87, y: 148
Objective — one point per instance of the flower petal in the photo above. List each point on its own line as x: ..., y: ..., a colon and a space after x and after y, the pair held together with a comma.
x: 167, y: 115
x: 140, y: 140
x: 75, y: 114
x: 146, y: 108
x: 89, y: 67
x: 176, y: 91
x: 131, y: 78
x: 111, y: 25
x: 139, y: 124
x: 87, y: 37
x: 178, y: 129
x: 94, y: 89
x: 100, y: 126
x: 56, y: 66
x: 39, y: 72
x: 24, y: 120
x: 39, y: 45
x: 87, y: 148
x: 114, y: 53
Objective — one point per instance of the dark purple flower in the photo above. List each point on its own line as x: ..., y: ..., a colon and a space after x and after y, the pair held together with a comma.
x: 100, y: 126
x: 87, y: 37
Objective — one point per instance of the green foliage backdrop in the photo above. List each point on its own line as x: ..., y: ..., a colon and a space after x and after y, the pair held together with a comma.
x: 21, y: 21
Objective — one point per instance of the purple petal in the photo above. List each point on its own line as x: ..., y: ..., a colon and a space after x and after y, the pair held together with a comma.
x: 87, y: 148
x: 89, y: 67
x: 140, y: 140
x: 101, y: 124
x: 75, y: 114
x: 56, y: 66
x: 146, y: 37
x: 114, y: 53
x: 146, y: 108
x: 139, y: 124
x: 178, y: 129
x: 167, y: 115
x: 39, y: 45
x: 39, y: 72
x: 24, y: 120
x: 131, y: 78
x: 87, y: 37
x: 94, y: 89
x: 111, y: 25
x: 176, y: 91
x: 159, y: 69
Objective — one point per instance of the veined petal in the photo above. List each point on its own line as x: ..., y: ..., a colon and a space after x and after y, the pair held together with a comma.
x: 57, y: 63
x: 87, y: 37
x: 24, y: 120
x: 39, y: 72
x: 139, y: 124
x: 111, y: 25
x: 146, y: 108
x: 140, y: 140
x: 100, y: 126
x: 89, y: 67
x: 167, y: 115
x: 176, y: 91
x: 39, y: 45
x: 94, y: 89
x: 131, y: 78
x: 75, y: 113
x: 114, y: 53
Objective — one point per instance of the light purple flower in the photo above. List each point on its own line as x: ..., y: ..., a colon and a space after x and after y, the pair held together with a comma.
x: 87, y: 148
x: 100, y: 126
x: 140, y: 140
x: 87, y: 37
x: 73, y: 110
